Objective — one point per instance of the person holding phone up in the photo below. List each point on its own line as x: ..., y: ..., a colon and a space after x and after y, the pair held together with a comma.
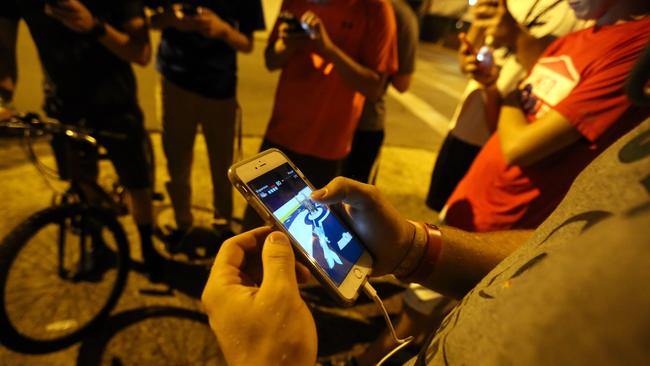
x: 341, y: 54
x: 197, y: 58
x: 570, y: 106
x: 332, y: 55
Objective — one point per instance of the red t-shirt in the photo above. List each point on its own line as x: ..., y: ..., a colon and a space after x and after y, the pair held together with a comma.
x: 315, y: 111
x: 581, y: 76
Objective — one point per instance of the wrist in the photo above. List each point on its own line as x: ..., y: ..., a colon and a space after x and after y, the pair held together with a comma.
x: 415, y: 250
x: 428, y: 257
x: 98, y: 29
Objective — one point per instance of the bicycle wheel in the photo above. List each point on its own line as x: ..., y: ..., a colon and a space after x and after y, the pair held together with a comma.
x: 61, y: 272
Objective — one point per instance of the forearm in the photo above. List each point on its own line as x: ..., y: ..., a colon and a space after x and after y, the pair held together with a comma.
x: 465, y: 258
x: 357, y: 76
x: 492, y: 106
x: 237, y: 40
x: 129, y: 46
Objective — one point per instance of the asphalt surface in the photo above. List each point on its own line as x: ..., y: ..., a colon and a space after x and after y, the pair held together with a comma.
x: 162, y: 324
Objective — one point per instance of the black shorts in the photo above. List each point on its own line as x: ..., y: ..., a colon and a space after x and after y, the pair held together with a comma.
x: 125, y: 140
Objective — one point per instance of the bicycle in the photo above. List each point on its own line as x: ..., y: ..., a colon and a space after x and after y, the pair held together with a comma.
x: 63, y: 269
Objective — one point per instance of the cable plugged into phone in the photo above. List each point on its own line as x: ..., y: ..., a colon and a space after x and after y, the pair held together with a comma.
x: 402, y: 342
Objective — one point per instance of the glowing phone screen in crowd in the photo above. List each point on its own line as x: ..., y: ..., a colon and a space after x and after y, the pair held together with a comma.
x: 320, y: 233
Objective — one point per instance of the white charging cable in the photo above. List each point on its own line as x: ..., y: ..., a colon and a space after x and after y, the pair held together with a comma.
x: 372, y: 293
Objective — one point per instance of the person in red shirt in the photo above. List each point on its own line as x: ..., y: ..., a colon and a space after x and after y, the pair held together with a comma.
x: 339, y: 54
x: 344, y: 57
x: 569, y: 108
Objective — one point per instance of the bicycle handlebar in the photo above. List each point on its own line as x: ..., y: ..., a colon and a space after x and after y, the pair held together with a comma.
x: 34, y: 124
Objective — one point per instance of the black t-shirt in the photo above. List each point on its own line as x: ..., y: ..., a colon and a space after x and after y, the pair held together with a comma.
x: 207, y: 66
x: 82, y: 76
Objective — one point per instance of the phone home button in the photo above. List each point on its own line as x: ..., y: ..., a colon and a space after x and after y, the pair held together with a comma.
x: 358, y: 273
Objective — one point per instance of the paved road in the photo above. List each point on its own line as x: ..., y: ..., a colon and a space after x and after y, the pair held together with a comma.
x: 140, y: 331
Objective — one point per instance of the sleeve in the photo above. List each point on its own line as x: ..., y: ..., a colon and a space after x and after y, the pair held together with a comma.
x: 599, y: 100
x: 379, y: 50
x: 9, y: 10
x: 250, y: 16
x: 407, y: 38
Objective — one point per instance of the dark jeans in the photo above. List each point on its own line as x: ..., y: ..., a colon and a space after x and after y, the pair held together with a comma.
x: 365, y: 149
x: 318, y: 171
x: 454, y: 159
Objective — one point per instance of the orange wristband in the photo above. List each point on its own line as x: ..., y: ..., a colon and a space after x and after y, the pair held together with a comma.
x: 430, y: 258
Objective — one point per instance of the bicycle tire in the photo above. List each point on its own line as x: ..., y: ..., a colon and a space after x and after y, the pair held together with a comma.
x: 15, y: 252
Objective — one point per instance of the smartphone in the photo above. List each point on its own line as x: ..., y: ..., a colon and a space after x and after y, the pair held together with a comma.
x: 280, y: 193
x: 294, y: 25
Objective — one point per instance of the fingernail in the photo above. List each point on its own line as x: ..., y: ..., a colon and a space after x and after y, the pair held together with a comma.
x: 319, y: 194
x: 277, y: 237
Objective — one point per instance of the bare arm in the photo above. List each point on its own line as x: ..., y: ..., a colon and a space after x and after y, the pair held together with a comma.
x: 467, y: 257
x: 8, y: 70
x: 526, y: 143
x: 359, y: 77
x: 131, y: 45
x: 365, y: 80
x: 401, y: 82
x: 279, y: 50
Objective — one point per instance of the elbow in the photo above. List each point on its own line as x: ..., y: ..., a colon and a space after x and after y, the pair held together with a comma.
x: 401, y: 88
x: 247, y: 48
x: 401, y: 83
x: 514, y: 155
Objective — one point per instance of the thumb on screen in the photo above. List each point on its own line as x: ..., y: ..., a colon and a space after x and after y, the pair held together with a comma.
x: 279, y: 264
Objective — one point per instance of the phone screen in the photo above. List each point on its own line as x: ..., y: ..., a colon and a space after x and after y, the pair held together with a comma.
x: 320, y: 233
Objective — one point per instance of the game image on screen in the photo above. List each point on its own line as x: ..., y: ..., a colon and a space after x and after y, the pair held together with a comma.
x: 319, y: 232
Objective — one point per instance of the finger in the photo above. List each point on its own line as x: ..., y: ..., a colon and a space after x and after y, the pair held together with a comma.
x: 465, y: 45
x: 279, y: 265
x: 351, y: 192
x: 231, y: 258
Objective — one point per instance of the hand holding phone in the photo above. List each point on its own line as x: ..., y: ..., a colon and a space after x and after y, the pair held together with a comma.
x: 252, y: 297
x: 293, y: 25
x: 384, y: 231
x: 479, y: 64
x: 324, y: 242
